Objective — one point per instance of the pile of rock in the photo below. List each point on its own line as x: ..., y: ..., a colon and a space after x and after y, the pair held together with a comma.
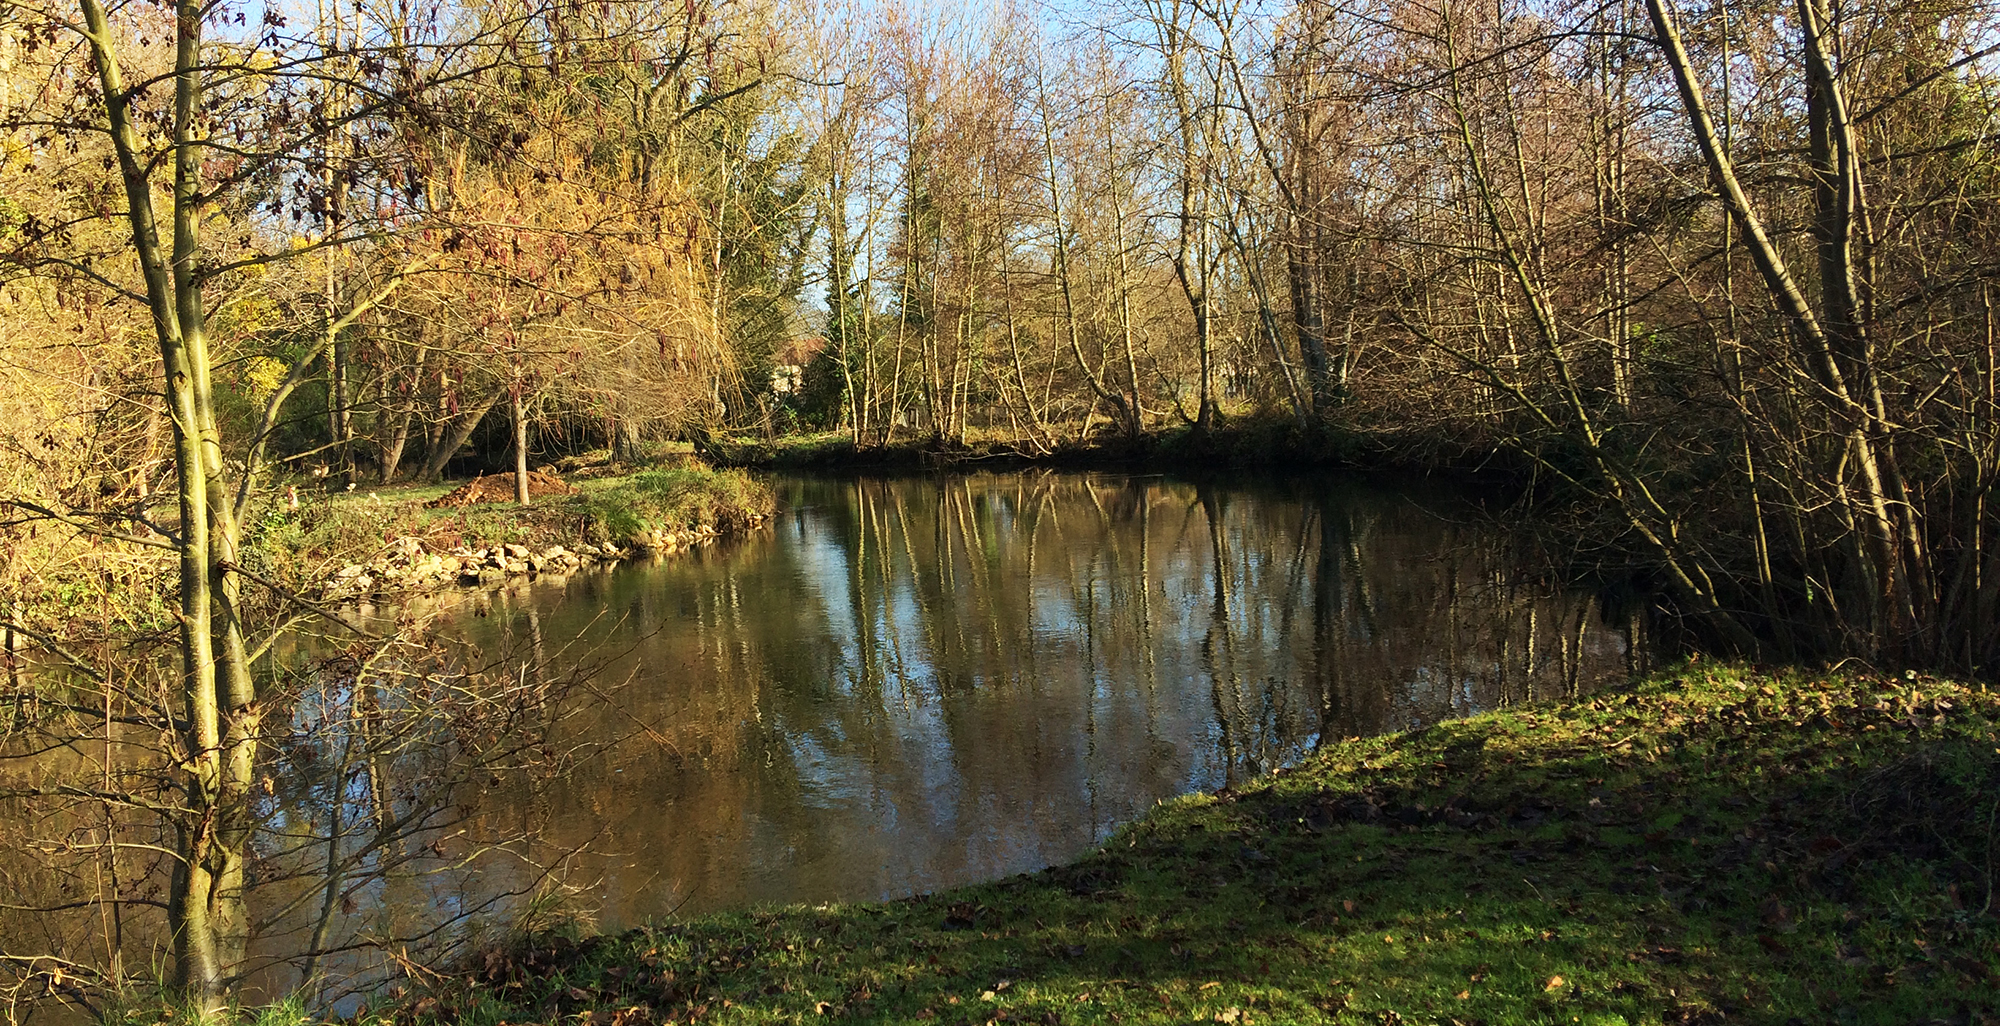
x: 407, y: 566
x: 657, y: 541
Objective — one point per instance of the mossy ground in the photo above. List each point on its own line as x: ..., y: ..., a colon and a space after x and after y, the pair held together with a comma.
x: 1712, y: 845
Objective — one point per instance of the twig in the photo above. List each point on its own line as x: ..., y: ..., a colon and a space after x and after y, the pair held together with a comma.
x: 82, y: 525
x: 299, y: 600
x: 76, y: 662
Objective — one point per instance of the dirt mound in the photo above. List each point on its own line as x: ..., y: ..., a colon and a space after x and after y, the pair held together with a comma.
x: 500, y: 488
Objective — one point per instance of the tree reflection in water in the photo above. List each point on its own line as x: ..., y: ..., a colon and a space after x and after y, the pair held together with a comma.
x: 915, y: 682
x: 905, y: 684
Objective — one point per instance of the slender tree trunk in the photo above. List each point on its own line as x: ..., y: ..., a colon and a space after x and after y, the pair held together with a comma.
x: 340, y: 398
x: 517, y: 407
x: 454, y: 437
x: 218, y: 736
x: 1306, y: 320
x: 1036, y: 433
x: 12, y: 647
x: 1833, y: 357
x: 1267, y: 318
x: 1132, y: 409
x: 1190, y: 258
x: 1060, y: 257
x: 398, y: 438
x: 393, y: 445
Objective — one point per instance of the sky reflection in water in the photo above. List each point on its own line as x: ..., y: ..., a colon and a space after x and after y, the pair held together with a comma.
x: 911, y: 683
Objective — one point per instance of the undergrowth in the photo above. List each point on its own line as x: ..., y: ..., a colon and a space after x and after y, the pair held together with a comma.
x: 305, y: 546
x: 111, y: 590
x: 1249, y: 439
x: 1711, y: 846
x: 674, y: 499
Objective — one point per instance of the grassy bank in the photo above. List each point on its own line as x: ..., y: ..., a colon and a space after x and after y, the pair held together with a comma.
x: 84, y: 588
x: 87, y: 588
x: 1714, y: 845
x: 302, y: 547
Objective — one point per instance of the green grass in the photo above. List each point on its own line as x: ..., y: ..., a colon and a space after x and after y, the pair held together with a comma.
x: 673, y: 500
x: 302, y: 547
x: 89, y: 590
x: 1713, y: 845
x: 157, y: 1006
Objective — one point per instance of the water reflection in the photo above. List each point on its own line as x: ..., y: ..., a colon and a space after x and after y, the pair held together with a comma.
x: 912, y: 683
x: 905, y: 684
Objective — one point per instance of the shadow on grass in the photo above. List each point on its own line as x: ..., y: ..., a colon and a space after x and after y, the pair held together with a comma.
x: 1715, y: 847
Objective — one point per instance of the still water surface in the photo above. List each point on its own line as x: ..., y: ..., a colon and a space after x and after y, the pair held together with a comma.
x: 911, y: 683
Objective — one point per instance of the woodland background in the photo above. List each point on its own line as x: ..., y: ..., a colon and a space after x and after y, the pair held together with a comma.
x: 1502, y: 225
x: 1718, y: 277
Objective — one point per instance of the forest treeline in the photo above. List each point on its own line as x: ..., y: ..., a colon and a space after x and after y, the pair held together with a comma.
x: 1722, y: 273
x: 1724, y: 270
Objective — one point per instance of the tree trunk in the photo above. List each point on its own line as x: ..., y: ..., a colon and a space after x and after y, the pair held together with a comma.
x: 392, y: 447
x: 625, y: 440
x: 1306, y: 321
x: 519, y: 409
x: 217, y: 739
x: 460, y: 430
x: 1834, y: 355
x: 12, y: 647
x: 1059, y: 255
x: 340, y: 400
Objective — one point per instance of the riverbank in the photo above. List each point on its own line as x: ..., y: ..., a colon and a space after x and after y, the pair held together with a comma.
x: 1245, y: 443
x: 430, y: 537
x: 1712, y: 845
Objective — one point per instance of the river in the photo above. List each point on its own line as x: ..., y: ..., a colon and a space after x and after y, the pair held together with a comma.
x: 904, y: 684
x: 916, y: 682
